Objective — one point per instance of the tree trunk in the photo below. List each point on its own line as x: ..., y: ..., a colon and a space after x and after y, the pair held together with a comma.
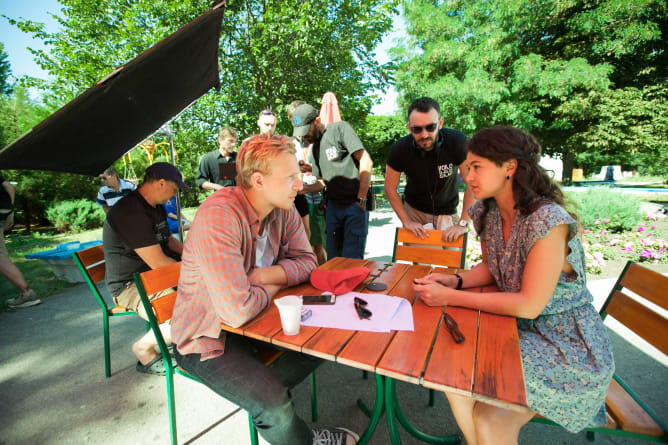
x: 567, y: 171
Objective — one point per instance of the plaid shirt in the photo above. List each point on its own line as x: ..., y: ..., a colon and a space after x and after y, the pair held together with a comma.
x: 218, y: 255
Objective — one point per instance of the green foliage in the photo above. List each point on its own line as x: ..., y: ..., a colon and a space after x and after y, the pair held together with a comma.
x: 599, y: 208
x: 5, y: 72
x: 271, y: 53
x: 378, y: 134
x: 579, y: 75
x: 75, y: 216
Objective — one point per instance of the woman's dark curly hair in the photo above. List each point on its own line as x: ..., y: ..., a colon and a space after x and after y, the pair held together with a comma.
x: 532, y: 187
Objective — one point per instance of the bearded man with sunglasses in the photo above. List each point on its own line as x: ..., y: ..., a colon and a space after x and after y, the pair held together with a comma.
x: 429, y: 157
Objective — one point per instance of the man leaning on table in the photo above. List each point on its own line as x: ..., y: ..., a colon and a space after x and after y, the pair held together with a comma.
x: 246, y: 244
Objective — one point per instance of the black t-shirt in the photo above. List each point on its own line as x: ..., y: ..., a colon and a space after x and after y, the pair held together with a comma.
x: 209, y: 169
x: 5, y: 199
x: 131, y: 224
x: 430, y: 174
x: 338, y: 167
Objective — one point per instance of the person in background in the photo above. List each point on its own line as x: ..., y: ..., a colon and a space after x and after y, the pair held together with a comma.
x: 136, y: 238
x: 27, y: 296
x: 208, y: 172
x: 246, y: 244
x: 430, y: 158
x: 172, y: 216
x: 340, y: 162
x: 113, y: 189
x: 532, y: 252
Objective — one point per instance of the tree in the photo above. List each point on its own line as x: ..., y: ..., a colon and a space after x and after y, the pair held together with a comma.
x: 271, y: 52
x: 378, y: 134
x: 5, y: 72
x: 556, y: 68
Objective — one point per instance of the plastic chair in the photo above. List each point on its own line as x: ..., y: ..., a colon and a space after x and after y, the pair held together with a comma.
x: 92, y: 267
x: 159, y: 311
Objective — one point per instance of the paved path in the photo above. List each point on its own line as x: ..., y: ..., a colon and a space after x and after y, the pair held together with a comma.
x: 53, y: 389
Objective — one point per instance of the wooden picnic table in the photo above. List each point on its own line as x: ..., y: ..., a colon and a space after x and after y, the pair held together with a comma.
x: 486, y: 366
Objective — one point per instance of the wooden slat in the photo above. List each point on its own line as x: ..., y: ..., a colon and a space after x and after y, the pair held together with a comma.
x: 294, y: 342
x: 498, y: 363
x: 451, y: 365
x: 628, y: 415
x: 164, y: 306
x: 425, y: 255
x: 433, y: 238
x: 160, y: 279
x: 406, y: 356
x: 640, y: 319
x: 648, y: 284
x: 365, y: 349
x: 96, y: 273
x: 91, y: 255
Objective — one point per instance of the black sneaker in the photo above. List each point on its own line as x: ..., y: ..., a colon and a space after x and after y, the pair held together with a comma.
x: 335, y: 436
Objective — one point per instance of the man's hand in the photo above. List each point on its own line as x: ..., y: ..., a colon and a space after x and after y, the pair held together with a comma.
x: 453, y: 232
x: 416, y: 228
x: 305, y: 167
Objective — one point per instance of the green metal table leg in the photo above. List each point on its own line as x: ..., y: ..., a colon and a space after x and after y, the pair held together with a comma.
x: 390, y: 405
x: 391, y: 396
x: 378, y: 410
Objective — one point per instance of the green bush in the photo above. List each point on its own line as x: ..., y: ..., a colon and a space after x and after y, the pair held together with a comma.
x: 597, y: 205
x: 75, y: 216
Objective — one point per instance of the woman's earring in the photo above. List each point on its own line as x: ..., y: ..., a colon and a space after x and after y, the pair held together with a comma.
x: 508, y: 177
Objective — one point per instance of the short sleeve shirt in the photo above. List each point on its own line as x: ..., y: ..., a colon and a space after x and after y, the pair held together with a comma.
x: 209, y: 170
x: 131, y: 224
x: 107, y: 196
x: 430, y: 174
x: 337, y: 166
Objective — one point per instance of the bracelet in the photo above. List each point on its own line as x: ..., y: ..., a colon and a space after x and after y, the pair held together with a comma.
x: 459, y: 281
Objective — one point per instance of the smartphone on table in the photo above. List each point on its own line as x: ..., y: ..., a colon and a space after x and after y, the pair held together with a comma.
x: 318, y: 299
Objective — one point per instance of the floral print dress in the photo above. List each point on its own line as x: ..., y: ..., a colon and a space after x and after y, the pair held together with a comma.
x: 566, y: 355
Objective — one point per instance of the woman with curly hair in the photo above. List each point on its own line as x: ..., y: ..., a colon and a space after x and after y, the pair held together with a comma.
x: 531, y: 251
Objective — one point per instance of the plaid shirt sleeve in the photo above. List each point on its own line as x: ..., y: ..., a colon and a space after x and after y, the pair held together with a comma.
x: 218, y: 256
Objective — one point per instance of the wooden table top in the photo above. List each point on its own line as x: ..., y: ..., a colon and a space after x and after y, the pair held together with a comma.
x: 486, y: 366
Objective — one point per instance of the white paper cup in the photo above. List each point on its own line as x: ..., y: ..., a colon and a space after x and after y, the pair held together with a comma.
x: 290, y: 310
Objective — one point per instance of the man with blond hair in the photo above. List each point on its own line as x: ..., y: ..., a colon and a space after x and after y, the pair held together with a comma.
x: 245, y: 245
x: 208, y: 171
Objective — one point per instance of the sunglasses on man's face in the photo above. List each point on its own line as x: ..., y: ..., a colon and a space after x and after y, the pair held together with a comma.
x: 362, y: 312
x: 417, y: 129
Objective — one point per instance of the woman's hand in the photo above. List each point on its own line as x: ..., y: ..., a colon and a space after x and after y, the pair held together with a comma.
x: 442, y: 278
x: 431, y: 292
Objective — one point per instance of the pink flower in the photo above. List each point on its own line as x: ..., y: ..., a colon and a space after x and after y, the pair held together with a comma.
x: 640, y: 229
x: 597, y: 222
x: 646, y: 253
x: 596, y: 235
x: 606, y: 220
x: 587, y: 231
x: 653, y: 227
x: 628, y: 248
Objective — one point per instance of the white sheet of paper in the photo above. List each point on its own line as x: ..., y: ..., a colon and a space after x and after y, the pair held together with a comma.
x: 428, y: 226
x: 389, y: 313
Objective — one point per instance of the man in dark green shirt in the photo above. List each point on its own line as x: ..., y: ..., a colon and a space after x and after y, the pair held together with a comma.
x: 208, y: 173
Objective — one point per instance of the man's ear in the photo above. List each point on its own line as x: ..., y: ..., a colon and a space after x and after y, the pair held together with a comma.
x: 257, y: 180
x: 440, y: 123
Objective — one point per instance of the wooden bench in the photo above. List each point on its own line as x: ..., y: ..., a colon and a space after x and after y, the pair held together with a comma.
x: 633, y: 302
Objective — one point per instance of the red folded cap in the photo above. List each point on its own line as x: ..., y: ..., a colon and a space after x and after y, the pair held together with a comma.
x: 338, y: 281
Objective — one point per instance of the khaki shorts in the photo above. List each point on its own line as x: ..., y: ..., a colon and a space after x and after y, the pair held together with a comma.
x: 4, y: 225
x: 440, y: 222
x: 130, y: 300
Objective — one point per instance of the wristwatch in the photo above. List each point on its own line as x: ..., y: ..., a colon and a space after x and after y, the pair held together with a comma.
x: 463, y: 223
x: 459, y: 281
x: 362, y: 202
